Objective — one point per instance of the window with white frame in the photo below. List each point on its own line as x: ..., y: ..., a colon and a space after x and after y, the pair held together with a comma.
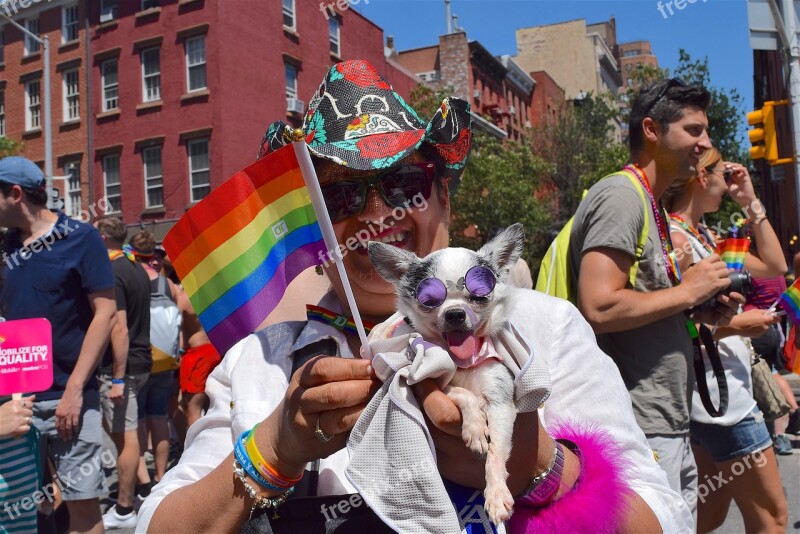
x: 196, y: 63
x: 289, y: 14
x: 153, y: 177
x: 31, y: 44
x: 108, y: 10
x: 151, y: 75
x: 291, y: 81
x: 33, y: 108
x: 72, y: 199
x: 2, y: 113
x: 69, y: 23
x: 110, y: 82
x: 147, y: 4
x: 333, y: 35
x: 71, y: 91
x: 199, y: 168
x: 111, y: 183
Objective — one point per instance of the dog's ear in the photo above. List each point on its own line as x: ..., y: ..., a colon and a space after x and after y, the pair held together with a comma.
x: 391, y: 262
x: 505, y: 249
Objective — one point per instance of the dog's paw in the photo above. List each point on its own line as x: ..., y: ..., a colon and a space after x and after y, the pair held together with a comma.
x: 499, y: 503
x: 476, y: 437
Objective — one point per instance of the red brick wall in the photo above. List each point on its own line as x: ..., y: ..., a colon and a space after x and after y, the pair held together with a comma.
x: 548, y: 99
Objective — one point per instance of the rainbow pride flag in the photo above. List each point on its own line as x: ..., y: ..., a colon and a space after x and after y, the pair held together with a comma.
x: 789, y: 301
x: 238, y: 249
x: 733, y: 251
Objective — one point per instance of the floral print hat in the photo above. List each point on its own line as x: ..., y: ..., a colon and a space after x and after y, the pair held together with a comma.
x: 356, y: 119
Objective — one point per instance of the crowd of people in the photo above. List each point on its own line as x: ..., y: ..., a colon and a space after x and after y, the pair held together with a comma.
x: 624, y: 442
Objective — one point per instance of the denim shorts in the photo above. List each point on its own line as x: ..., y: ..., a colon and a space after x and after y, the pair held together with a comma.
x: 154, y: 396
x: 726, y: 443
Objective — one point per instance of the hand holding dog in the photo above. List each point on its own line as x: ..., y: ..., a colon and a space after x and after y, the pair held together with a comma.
x: 328, y: 391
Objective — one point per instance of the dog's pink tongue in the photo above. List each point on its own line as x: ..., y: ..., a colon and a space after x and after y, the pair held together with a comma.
x: 463, y: 345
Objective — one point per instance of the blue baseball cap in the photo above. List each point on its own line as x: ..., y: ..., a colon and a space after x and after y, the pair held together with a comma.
x: 20, y: 171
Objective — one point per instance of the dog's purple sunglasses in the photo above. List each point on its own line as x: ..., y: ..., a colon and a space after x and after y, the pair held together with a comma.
x: 479, y: 281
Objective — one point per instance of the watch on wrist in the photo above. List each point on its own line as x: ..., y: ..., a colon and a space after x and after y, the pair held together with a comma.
x: 543, y: 487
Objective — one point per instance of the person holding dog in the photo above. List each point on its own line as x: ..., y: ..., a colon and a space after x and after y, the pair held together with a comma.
x: 739, y: 436
x: 642, y: 325
x: 294, y: 413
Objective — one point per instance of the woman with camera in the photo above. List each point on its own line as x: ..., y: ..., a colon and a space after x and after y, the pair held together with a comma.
x: 736, y: 444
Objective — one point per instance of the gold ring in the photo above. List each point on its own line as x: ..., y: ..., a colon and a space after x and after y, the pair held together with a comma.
x: 320, y: 434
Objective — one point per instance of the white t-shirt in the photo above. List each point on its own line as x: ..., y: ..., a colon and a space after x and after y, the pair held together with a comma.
x: 734, y: 353
x: 586, y: 389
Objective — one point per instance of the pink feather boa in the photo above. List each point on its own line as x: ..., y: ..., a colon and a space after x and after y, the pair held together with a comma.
x: 597, y: 503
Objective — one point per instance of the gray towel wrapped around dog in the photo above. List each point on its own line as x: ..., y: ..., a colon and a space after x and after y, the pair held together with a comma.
x: 392, y: 457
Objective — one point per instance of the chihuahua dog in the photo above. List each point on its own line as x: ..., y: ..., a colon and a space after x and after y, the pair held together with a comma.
x: 457, y: 299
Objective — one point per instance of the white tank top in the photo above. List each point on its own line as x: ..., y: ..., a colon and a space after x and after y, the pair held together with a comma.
x: 734, y: 352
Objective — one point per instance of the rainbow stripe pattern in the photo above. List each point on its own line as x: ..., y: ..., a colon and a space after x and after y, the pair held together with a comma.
x: 238, y: 249
x: 790, y: 302
x: 340, y: 322
x: 733, y: 251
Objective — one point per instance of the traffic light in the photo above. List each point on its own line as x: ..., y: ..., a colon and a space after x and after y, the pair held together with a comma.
x: 763, y: 139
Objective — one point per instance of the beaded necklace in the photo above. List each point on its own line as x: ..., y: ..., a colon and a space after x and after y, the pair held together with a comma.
x: 703, y: 240
x: 671, y: 263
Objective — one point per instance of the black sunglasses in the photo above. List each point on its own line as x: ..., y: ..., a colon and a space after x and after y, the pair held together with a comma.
x: 672, y: 82
x: 397, y: 186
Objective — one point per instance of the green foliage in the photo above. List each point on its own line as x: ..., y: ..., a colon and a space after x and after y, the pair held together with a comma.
x: 501, y: 186
x: 9, y: 147
x: 426, y: 101
x: 580, y: 146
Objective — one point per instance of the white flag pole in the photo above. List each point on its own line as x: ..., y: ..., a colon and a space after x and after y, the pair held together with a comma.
x: 310, y: 177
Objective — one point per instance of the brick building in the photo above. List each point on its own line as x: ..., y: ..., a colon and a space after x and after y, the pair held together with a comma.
x: 630, y: 56
x: 548, y: 99
x: 185, y: 90
x: 22, y: 90
x: 498, y: 89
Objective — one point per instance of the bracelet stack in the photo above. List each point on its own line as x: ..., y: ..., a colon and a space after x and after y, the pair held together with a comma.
x: 250, y: 463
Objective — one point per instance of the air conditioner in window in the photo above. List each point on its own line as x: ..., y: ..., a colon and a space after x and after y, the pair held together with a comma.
x: 295, y: 105
x: 512, y: 109
x: 107, y: 14
x: 527, y: 124
x: 476, y: 94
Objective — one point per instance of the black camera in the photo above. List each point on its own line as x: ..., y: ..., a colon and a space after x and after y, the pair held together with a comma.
x: 727, y: 174
x: 741, y: 283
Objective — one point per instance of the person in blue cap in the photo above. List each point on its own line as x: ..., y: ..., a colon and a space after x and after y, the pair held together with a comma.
x: 58, y: 268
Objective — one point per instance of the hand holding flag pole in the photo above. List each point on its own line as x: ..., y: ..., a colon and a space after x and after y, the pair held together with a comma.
x: 317, y: 200
x: 790, y: 302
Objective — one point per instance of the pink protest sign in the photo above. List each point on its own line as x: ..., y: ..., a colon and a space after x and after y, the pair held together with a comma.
x: 26, y: 356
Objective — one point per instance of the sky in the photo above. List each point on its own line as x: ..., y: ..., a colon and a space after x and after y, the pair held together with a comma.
x: 716, y: 29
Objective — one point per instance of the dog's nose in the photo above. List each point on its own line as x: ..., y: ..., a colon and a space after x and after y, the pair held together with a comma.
x: 455, y: 317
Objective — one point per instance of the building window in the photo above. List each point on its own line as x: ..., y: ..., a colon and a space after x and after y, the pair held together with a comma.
x: 72, y: 170
x: 153, y: 178
x: 31, y: 44
x: 333, y: 35
x: 33, y: 110
x: 111, y: 183
x: 108, y: 10
x: 71, y: 92
x: 151, y: 75
x: 196, y: 63
x: 110, y: 81
x: 288, y: 14
x: 2, y: 113
x: 2, y: 47
x: 291, y: 81
x: 69, y: 23
x: 148, y: 4
x: 199, y: 168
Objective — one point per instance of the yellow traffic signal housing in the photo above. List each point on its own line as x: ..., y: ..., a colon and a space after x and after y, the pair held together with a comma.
x: 763, y: 139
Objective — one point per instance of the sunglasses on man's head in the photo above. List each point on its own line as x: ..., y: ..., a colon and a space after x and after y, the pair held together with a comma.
x: 397, y: 186
x: 672, y: 82
x: 479, y: 281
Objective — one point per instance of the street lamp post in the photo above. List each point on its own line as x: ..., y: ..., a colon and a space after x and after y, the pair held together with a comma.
x: 48, y: 134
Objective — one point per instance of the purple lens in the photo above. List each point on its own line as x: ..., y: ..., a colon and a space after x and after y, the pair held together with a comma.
x: 479, y: 281
x: 431, y: 292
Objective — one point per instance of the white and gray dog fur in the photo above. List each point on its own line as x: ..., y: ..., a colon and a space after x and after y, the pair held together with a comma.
x: 484, y: 393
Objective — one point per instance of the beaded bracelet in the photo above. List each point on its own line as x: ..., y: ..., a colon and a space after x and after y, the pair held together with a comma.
x: 248, y: 467
x: 259, y: 501
x: 261, y: 465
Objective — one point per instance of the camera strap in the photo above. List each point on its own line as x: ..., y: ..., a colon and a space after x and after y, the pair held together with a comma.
x: 707, y: 338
